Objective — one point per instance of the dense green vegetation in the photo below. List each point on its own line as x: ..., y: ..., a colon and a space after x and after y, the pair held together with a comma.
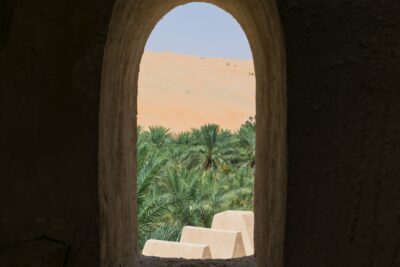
x: 185, y: 179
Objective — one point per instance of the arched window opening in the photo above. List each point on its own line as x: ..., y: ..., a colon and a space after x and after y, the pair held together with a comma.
x: 196, y: 137
x: 129, y: 29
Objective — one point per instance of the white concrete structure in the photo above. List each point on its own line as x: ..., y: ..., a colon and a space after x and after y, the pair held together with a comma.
x: 242, y: 221
x: 223, y: 244
x: 168, y: 249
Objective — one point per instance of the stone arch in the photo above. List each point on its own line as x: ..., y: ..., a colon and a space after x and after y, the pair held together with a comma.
x: 131, y: 24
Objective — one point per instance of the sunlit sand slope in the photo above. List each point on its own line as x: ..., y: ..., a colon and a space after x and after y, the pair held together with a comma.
x: 182, y: 92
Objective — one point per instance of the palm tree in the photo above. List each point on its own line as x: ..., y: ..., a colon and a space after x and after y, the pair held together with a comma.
x: 183, y: 139
x: 240, y: 193
x: 151, y: 207
x: 187, y: 178
x: 159, y: 136
x: 209, y: 195
x: 212, y: 148
x: 181, y: 185
x: 170, y: 232
x: 246, y: 137
x: 178, y: 149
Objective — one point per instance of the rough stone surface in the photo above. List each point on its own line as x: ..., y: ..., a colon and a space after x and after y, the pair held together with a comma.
x: 50, y: 69
x: 343, y: 132
x: 154, y: 261
x: 42, y: 252
x: 343, y: 60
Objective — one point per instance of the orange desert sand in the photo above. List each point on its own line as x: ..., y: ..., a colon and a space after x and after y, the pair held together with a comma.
x: 181, y: 92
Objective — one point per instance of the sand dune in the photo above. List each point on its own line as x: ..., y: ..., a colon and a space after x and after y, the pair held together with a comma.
x: 181, y: 92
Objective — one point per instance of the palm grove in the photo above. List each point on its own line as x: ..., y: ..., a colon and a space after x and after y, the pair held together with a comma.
x: 184, y: 179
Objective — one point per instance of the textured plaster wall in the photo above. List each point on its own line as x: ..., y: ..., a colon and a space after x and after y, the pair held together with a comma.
x: 50, y: 65
x: 343, y: 69
x: 343, y: 132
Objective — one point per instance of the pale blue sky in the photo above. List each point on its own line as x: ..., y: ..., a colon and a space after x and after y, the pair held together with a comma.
x: 200, y: 29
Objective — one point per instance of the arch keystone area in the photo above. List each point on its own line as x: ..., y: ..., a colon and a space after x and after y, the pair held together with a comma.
x: 131, y: 24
